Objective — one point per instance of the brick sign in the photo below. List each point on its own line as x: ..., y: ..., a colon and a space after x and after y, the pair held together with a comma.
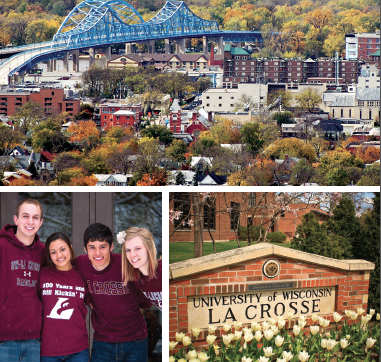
x: 259, y: 282
x: 217, y: 309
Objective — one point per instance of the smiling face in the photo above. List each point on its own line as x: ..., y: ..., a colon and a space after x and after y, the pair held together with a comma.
x: 60, y: 254
x: 99, y: 253
x: 28, y: 223
x: 137, y: 254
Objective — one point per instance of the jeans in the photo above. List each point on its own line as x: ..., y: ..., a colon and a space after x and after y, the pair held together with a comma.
x: 27, y: 350
x: 134, y: 351
x: 82, y: 356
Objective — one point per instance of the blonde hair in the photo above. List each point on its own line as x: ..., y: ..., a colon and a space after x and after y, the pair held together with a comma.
x: 129, y: 273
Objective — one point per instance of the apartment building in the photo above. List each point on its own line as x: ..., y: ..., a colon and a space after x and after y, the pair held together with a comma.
x: 361, y: 45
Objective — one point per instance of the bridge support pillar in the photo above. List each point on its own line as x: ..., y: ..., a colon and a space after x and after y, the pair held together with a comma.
x: 91, y: 56
x: 204, y: 45
x: 75, y: 59
x: 180, y: 46
x: 108, y: 54
x: 129, y: 48
x: 167, y: 46
x: 66, y: 62
x: 54, y: 65
x: 151, y: 47
x: 220, y: 46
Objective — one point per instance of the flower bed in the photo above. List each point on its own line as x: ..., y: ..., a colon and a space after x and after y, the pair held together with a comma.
x: 270, y: 342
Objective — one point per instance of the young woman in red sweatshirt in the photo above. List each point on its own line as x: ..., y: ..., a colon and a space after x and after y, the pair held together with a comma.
x: 139, y: 263
x: 64, y: 334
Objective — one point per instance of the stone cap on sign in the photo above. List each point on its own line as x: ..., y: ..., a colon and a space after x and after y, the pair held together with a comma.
x: 247, y: 253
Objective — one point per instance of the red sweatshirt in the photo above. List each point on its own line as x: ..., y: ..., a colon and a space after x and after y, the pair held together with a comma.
x: 152, y: 288
x: 116, y: 315
x: 64, y: 329
x: 20, y: 307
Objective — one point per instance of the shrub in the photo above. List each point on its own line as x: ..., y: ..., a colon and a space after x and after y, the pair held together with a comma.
x: 277, y: 237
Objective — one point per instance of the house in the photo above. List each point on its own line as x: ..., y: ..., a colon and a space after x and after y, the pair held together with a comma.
x: 109, y: 116
x: 284, y: 168
x: 113, y: 180
x: 188, y: 176
x: 211, y: 179
x: 11, y: 176
x: 201, y: 163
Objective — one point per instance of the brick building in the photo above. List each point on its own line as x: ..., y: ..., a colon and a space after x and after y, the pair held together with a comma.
x: 289, y: 221
x: 119, y: 114
x: 240, y: 67
x: 361, y: 45
x: 52, y: 100
x: 245, y: 208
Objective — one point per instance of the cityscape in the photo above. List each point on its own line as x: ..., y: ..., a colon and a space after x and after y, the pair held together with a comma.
x: 160, y: 95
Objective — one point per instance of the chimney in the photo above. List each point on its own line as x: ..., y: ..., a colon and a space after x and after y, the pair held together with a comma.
x: 286, y: 157
x: 210, y: 117
x: 211, y: 59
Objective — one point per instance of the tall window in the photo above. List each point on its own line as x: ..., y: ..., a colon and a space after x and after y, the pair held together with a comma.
x: 210, y: 215
x: 234, y: 215
x: 252, y: 199
x: 182, y: 204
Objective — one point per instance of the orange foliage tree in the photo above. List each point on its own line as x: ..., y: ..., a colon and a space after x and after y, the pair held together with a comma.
x: 83, y: 130
x: 157, y: 178
x: 369, y: 155
x: 22, y: 182
x: 83, y: 181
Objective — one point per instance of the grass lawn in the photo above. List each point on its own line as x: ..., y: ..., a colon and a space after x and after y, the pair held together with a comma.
x: 179, y: 251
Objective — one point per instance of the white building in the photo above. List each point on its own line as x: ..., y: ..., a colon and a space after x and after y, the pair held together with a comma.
x: 369, y: 78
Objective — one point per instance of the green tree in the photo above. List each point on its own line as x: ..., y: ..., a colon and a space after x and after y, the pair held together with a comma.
x: 308, y: 99
x: 313, y: 238
x: 371, y: 176
x: 369, y: 242
x: 28, y: 116
x: 252, y: 137
x: 180, y: 178
x: 338, y: 177
x: 161, y: 132
x: 9, y: 139
x: 284, y: 117
x: 177, y: 150
x: 302, y: 172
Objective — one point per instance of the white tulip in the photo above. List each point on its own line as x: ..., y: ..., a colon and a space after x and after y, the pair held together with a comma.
x: 302, y: 318
x: 296, y: 329
x: 301, y: 324
x: 226, y: 339
x: 179, y: 336
x: 314, y: 317
x: 370, y: 342
x: 255, y: 326
x: 337, y: 317
x: 378, y: 316
x: 344, y: 343
x: 246, y: 330
x: 211, y: 329
x: 272, y: 322
x: 280, y: 360
x: 181, y: 360
x: 279, y: 341
x: 331, y: 344
x: 289, y: 315
x: 186, y: 341
x: 372, y: 311
x: 172, y: 345
x: 194, y: 360
x: 237, y: 335
x: 263, y: 359
x: 203, y: 357
x: 246, y: 359
x: 354, y: 315
x: 172, y: 359
x: 210, y: 339
x: 281, y: 323
x: 348, y: 313
x: 237, y: 325
x: 268, y: 351
x: 196, y: 331
x: 268, y: 334
x: 248, y: 337
x: 323, y: 343
x: 191, y: 355
x: 314, y: 330
x: 265, y: 326
x: 303, y: 356
x: 226, y: 327
x: 258, y: 336
x: 275, y: 330
x: 287, y: 355
x: 360, y: 311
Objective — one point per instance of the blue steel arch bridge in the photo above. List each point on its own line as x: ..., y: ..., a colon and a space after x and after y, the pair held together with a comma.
x: 97, y: 23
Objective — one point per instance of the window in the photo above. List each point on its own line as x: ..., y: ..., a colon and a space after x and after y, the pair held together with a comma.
x: 350, y: 113
x: 52, y: 93
x: 220, y: 105
x: 207, y: 104
x: 207, y: 97
x: 231, y: 97
x: 234, y: 215
x: 252, y: 199
x: 182, y: 204
x: 370, y: 103
x: 210, y: 214
x: 342, y: 113
x: 219, y: 97
x: 361, y: 103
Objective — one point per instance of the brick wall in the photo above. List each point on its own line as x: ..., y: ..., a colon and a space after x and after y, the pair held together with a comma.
x: 351, y: 286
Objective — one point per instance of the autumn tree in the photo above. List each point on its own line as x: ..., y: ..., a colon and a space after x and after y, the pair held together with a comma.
x: 309, y: 99
x: 84, y: 132
x: 121, y: 160
x: 23, y: 182
x: 83, y: 181
x: 96, y: 160
x: 27, y: 116
x: 252, y: 137
x: 157, y: 178
x: 292, y: 147
x: 162, y: 133
x: 9, y: 139
x: 177, y: 150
